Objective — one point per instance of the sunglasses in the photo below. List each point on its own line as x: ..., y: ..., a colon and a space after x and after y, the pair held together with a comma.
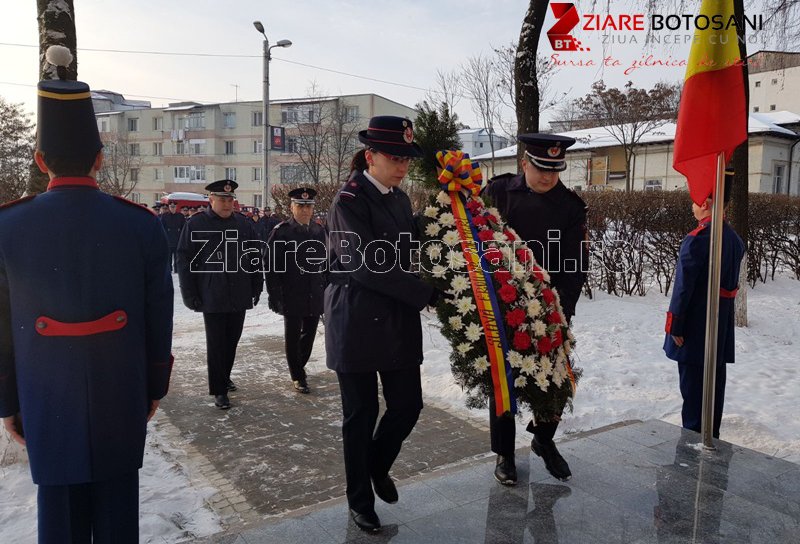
x: 394, y: 158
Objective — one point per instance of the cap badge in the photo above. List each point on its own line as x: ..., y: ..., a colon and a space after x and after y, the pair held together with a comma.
x: 228, y: 188
x: 554, y: 151
x: 305, y: 195
x: 405, y: 123
x: 408, y: 135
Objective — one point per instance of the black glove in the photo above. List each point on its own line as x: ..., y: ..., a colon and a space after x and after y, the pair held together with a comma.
x: 256, y: 298
x: 193, y: 303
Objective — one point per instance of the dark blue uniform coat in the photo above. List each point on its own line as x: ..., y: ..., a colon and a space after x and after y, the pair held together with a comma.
x: 372, y: 311
x: 687, y: 308
x: 69, y: 257
x: 173, y: 223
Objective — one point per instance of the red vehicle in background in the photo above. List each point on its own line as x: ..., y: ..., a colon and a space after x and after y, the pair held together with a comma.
x: 190, y: 200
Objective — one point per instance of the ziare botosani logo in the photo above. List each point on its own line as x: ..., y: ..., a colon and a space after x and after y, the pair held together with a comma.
x: 566, y: 19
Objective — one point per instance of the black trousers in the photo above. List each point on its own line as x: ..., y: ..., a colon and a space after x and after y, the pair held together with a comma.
x: 223, y: 331
x: 99, y: 512
x: 299, y: 333
x: 691, y: 384
x: 369, y: 452
x: 503, y: 431
x: 173, y: 258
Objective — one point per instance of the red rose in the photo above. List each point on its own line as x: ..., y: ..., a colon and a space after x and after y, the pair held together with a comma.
x: 538, y: 273
x: 485, y: 235
x: 479, y: 220
x: 509, y: 235
x: 557, y: 339
x: 549, y: 296
x: 492, y: 218
x: 524, y: 255
x: 508, y: 293
x: 544, y: 345
x: 502, y: 276
x: 515, y: 317
x: 522, y: 341
x: 493, y: 256
x: 554, y: 318
x: 473, y: 206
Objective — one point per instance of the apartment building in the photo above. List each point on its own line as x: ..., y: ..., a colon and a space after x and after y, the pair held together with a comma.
x: 186, y: 145
x: 774, y: 81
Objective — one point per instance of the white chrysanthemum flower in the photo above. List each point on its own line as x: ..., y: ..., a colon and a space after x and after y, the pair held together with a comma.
x: 447, y: 219
x: 528, y: 365
x: 530, y: 290
x: 546, y: 364
x: 481, y: 364
x: 432, y: 229
x: 542, y: 381
x: 567, y: 347
x: 464, y: 305
x: 499, y: 236
x: 438, y: 271
x: 434, y: 251
x: 464, y: 348
x: 521, y: 381
x: 430, y: 211
x: 514, y: 358
x: 545, y: 275
x: 456, y: 323
x: 459, y: 283
x: 451, y: 238
x: 508, y: 253
x: 518, y: 271
x: 473, y: 332
x: 494, y: 211
x: 560, y: 356
x: 456, y: 260
x: 443, y: 198
x: 534, y: 307
x: 539, y: 328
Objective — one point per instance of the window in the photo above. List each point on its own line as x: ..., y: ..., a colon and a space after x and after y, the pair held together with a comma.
x: 229, y: 119
x: 256, y: 174
x: 158, y: 149
x: 180, y: 147
x: 190, y: 174
x: 292, y: 145
x: 134, y: 150
x: 156, y: 197
x: 230, y: 173
x: 652, y: 185
x: 197, y: 147
x: 136, y: 197
x: 102, y: 125
x: 480, y: 144
x: 158, y: 123
x: 257, y: 201
x: 258, y: 118
x: 133, y: 125
x: 293, y: 173
x: 758, y: 84
x: 194, y: 121
x: 755, y: 109
x: 350, y: 114
x: 134, y: 174
x: 778, y: 175
x: 258, y: 146
x: 158, y: 174
x: 230, y: 148
x: 772, y: 107
x: 290, y: 115
x: 775, y: 81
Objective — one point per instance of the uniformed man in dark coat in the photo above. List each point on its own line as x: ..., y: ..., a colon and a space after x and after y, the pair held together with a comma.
x: 296, y: 281
x: 221, y: 275
x: 685, y: 339
x: 173, y: 222
x: 268, y: 222
x: 546, y: 215
x: 372, y: 310
x: 85, y: 328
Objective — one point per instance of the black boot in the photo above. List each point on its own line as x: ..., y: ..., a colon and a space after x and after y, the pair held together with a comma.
x: 222, y: 402
x: 231, y: 386
x: 385, y: 489
x: 301, y: 386
x: 368, y: 522
x: 505, y: 471
x: 553, y: 462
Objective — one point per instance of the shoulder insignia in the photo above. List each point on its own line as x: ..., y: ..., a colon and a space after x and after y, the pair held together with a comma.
x: 134, y: 204
x: 279, y: 225
x: 17, y: 201
x: 350, y: 190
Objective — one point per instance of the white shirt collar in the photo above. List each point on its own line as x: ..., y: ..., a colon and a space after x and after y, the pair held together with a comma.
x: 378, y: 185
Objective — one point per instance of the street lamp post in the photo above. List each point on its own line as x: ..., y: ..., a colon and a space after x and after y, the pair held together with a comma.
x: 265, y: 147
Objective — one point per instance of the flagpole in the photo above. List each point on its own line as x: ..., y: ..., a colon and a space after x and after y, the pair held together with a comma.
x: 712, y: 305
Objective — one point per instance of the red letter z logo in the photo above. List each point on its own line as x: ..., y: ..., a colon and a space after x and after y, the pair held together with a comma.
x: 559, y: 36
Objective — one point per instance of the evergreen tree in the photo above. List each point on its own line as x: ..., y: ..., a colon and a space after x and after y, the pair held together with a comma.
x: 16, y: 150
x: 436, y: 129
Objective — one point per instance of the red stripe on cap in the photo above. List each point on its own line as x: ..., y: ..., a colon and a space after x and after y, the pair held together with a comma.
x: 386, y: 130
x: 114, y: 321
x: 388, y: 142
x: 82, y: 181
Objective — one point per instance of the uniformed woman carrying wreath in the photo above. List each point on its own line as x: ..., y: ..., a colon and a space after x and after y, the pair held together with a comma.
x: 372, y: 307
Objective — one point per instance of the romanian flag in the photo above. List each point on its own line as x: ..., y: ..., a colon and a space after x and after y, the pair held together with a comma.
x: 712, y: 117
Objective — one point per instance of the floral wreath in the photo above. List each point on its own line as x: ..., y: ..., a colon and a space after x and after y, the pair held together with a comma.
x: 509, y: 335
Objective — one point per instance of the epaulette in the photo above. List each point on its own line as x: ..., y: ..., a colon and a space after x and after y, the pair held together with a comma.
x: 350, y: 190
x: 132, y: 203
x: 17, y: 201
x: 279, y: 225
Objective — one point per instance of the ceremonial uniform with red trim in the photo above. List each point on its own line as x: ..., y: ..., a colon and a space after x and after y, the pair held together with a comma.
x: 687, y: 317
x: 85, y: 333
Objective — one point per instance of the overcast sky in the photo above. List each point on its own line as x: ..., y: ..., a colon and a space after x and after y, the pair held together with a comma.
x: 403, y: 42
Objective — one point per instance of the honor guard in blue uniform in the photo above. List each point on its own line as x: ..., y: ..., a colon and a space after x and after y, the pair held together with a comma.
x: 372, y: 310
x: 85, y: 328
x: 296, y: 281
x: 685, y: 328
x: 221, y: 275
x: 545, y: 214
x: 173, y: 222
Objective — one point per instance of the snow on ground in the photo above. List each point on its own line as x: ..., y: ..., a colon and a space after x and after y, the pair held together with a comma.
x: 626, y: 376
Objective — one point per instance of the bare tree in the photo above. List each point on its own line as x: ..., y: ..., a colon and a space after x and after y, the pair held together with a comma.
x: 447, y: 89
x: 630, y: 113
x: 122, y: 165
x: 343, y: 125
x: 480, y: 83
x: 17, y: 142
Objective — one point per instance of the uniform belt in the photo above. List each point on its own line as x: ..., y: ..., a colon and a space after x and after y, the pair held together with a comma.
x: 47, y: 326
x: 724, y: 293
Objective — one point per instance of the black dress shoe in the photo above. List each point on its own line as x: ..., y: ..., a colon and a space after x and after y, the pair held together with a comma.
x: 222, y: 402
x: 301, y: 387
x: 506, y: 470
x: 232, y: 386
x: 553, y: 462
x: 385, y: 489
x: 368, y: 522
